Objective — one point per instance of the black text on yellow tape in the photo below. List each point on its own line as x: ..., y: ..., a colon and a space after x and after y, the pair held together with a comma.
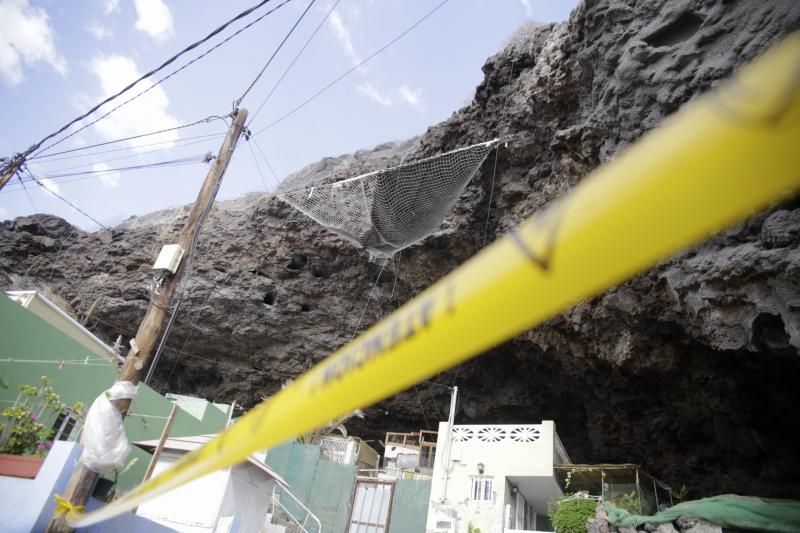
x: 717, y: 161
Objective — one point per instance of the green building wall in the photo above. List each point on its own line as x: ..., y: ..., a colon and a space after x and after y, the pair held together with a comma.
x: 24, y: 337
x: 325, y: 487
x: 410, y: 505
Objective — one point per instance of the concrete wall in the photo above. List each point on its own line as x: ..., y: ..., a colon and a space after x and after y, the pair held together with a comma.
x: 27, y: 504
x: 504, y: 450
x: 325, y: 487
x: 410, y: 505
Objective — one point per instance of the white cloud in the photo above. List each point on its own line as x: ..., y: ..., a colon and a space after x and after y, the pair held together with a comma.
x: 371, y: 92
x: 154, y: 18
x: 50, y: 185
x: 109, y: 6
x: 98, y: 31
x: 3, y: 212
x: 26, y: 37
x: 109, y: 178
x: 411, y: 96
x: 528, y: 7
x: 145, y: 114
x: 345, y: 38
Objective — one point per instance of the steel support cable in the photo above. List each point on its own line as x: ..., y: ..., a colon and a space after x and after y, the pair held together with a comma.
x: 163, y: 65
x: 296, y: 57
x: 352, y: 69
x: 275, y: 53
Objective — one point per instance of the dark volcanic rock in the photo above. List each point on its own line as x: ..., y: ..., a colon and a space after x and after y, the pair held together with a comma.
x: 689, y: 369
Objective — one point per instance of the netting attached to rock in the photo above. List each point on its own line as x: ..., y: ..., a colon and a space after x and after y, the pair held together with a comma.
x: 388, y: 210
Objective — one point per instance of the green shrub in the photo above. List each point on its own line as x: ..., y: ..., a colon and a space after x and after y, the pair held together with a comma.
x: 629, y: 502
x: 570, y: 516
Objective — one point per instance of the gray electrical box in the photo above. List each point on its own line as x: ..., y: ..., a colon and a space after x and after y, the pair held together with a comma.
x: 169, y: 258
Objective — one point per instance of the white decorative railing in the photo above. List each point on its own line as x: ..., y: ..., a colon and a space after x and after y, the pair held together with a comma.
x: 281, y: 514
x: 333, y: 449
x: 496, y: 433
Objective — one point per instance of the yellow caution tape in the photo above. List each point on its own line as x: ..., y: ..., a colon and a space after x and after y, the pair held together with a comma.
x: 64, y: 506
x: 719, y: 160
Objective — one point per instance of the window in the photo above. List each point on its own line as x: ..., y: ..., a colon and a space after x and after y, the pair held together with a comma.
x: 481, y: 489
x: 64, y: 426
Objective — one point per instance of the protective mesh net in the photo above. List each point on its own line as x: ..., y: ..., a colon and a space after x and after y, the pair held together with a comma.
x: 388, y: 210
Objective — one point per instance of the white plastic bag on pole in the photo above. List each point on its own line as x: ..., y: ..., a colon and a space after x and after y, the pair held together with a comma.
x: 105, y: 446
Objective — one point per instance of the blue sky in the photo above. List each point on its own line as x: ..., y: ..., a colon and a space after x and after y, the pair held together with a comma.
x: 58, y: 58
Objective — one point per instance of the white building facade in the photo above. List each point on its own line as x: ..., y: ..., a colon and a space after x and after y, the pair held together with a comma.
x: 494, y: 478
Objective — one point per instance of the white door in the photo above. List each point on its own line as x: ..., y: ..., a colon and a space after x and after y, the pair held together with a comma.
x: 371, y: 504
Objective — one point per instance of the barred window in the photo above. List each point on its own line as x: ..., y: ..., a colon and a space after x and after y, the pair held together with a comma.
x: 481, y: 489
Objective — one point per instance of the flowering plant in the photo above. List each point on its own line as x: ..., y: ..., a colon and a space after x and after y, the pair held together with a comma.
x: 22, y: 426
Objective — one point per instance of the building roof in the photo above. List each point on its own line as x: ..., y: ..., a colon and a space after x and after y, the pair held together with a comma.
x: 188, y: 444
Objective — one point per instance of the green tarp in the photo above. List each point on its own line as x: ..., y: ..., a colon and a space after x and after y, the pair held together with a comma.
x: 728, y: 510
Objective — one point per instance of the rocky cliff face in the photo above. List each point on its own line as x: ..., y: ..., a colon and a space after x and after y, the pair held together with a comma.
x: 690, y: 369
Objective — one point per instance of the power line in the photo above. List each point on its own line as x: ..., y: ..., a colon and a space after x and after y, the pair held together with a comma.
x: 163, y: 65
x: 352, y: 69
x: 263, y: 155
x: 25, y: 188
x: 128, y: 156
x: 195, y: 158
x: 54, y: 193
x: 258, y: 167
x: 296, y: 57
x: 278, y: 49
x: 166, y: 130
x: 175, y: 144
x: 91, y: 174
x: 171, y: 74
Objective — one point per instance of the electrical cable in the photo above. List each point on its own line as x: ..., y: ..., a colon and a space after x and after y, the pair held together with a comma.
x: 25, y: 188
x: 90, y: 174
x: 190, y: 159
x: 157, y: 132
x: 62, y: 181
x: 172, y: 59
x: 264, y: 156
x: 168, y: 76
x: 258, y: 167
x: 352, y: 69
x: 296, y: 57
x: 278, y: 49
x: 175, y: 144
x: 54, y: 193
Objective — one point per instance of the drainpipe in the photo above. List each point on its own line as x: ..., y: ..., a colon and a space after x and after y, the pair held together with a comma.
x: 447, y: 442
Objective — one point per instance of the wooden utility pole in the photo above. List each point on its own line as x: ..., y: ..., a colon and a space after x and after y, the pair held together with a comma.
x: 82, y: 482
x: 12, y: 169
